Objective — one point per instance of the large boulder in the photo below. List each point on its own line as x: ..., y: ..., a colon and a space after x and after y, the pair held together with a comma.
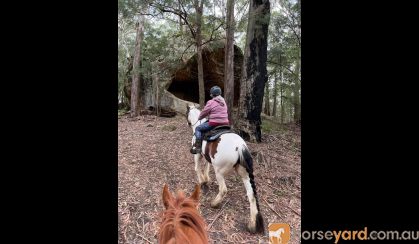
x: 184, y: 84
x: 179, y: 88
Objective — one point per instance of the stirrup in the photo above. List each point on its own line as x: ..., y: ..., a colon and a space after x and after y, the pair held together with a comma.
x: 195, y: 150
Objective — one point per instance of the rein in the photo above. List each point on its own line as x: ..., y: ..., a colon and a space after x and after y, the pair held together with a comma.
x: 197, y: 122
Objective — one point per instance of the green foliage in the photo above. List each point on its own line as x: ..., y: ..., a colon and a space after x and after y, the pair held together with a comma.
x: 241, y: 15
x: 121, y: 112
x: 164, y: 40
x: 167, y: 43
x: 283, y: 53
x: 126, y: 41
x: 266, y: 126
x: 269, y: 124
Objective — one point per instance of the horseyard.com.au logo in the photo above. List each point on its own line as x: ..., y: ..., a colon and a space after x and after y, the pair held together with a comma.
x: 279, y: 233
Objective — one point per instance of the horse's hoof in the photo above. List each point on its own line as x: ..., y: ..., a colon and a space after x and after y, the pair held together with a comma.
x: 251, y: 228
x: 204, y: 187
x: 256, y: 227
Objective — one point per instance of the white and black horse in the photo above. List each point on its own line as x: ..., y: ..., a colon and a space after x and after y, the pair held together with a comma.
x: 226, y: 153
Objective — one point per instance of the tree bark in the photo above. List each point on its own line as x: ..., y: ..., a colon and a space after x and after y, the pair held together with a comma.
x: 155, y: 85
x: 267, y: 109
x: 275, y: 94
x: 297, y: 103
x: 199, y: 9
x: 229, y: 60
x: 297, y: 106
x: 282, y: 98
x: 128, y: 82
x: 135, y: 89
x: 254, y: 73
x: 291, y: 113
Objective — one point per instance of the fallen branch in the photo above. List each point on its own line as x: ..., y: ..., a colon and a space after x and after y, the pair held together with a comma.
x: 272, y: 209
x: 291, y: 209
x: 144, y: 238
x: 218, y: 215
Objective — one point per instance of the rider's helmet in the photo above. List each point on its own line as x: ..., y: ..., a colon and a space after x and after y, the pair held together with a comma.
x: 215, y: 91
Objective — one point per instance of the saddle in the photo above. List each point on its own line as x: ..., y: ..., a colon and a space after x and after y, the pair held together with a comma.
x: 215, y: 133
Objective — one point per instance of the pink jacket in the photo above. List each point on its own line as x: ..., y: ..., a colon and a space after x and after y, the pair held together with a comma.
x: 216, y: 108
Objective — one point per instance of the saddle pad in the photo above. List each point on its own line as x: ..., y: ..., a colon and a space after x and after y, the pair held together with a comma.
x: 213, y: 137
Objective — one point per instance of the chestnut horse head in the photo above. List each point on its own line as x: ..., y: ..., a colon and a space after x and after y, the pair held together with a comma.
x: 182, y: 222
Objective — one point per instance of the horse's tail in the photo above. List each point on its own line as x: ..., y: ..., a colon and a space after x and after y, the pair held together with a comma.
x: 247, y: 162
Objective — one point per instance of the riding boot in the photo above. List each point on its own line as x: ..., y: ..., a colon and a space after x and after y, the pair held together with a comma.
x: 197, y: 146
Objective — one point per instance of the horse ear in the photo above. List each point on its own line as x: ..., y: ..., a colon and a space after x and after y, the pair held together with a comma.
x: 195, y: 194
x: 167, y: 197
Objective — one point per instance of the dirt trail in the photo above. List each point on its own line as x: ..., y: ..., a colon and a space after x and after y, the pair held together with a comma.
x: 153, y: 151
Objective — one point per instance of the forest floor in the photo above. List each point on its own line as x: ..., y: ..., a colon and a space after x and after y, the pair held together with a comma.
x: 153, y: 151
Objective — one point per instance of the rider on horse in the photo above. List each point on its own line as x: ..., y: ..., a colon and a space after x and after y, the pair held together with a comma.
x: 216, y: 110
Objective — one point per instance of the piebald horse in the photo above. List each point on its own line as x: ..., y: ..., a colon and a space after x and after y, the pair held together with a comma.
x: 226, y: 153
x: 182, y: 222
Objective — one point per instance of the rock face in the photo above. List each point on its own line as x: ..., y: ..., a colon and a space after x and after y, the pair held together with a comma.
x: 184, y: 84
x: 182, y: 87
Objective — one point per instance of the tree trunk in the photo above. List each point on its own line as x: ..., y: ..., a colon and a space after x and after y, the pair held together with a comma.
x: 275, y: 95
x: 199, y: 9
x: 291, y: 114
x: 155, y: 85
x: 128, y: 82
x: 297, y: 107
x: 254, y: 73
x: 267, y: 107
x: 135, y: 89
x: 282, y: 98
x: 297, y: 103
x: 229, y: 60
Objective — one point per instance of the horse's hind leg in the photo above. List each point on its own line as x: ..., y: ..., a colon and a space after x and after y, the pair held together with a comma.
x: 197, y: 159
x: 252, y: 226
x: 222, y: 188
x: 206, y: 178
x: 206, y: 172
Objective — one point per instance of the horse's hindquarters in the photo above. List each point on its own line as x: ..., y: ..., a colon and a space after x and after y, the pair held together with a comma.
x: 224, y: 152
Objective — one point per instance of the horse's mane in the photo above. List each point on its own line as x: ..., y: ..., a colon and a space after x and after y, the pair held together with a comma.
x: 179, y: 216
